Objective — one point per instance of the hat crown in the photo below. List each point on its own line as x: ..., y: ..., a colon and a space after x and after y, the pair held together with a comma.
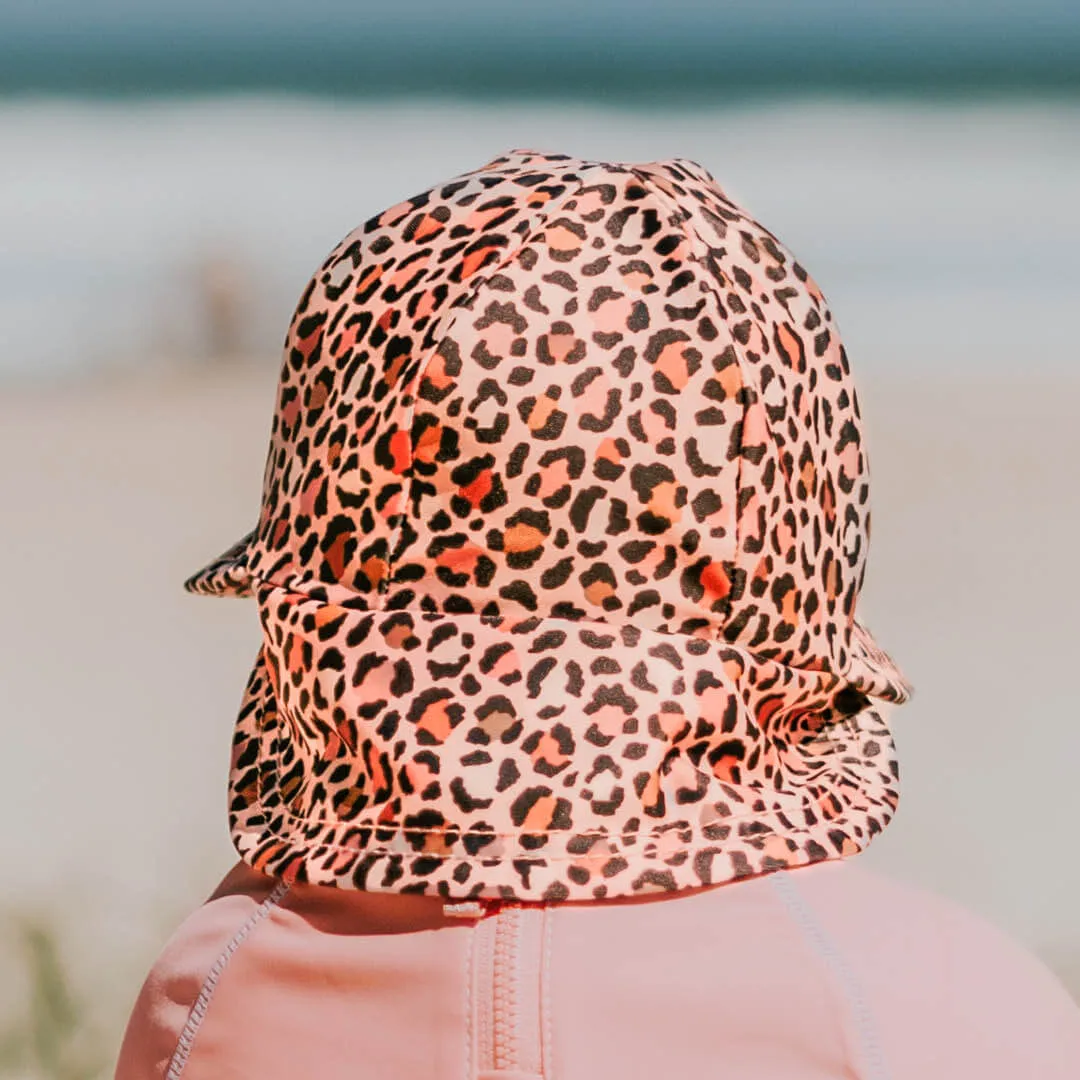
x: 564, y: 518
x: 559, y: 387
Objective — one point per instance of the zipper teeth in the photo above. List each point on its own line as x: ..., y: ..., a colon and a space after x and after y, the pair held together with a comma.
x: 505, y: 989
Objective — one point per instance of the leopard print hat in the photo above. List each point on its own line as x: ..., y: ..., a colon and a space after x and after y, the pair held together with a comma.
x: 564, y: 519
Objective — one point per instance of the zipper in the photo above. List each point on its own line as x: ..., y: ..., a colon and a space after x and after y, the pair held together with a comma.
x: 504, y: 999
x: 507, y: 1001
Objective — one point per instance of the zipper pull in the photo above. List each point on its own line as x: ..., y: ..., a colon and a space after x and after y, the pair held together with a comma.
x: 469, y: 909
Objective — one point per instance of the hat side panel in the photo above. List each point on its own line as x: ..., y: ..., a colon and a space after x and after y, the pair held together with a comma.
x: 338, y: 464
x: 804, y: 481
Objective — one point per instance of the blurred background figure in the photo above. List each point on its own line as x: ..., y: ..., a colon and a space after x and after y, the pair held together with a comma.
x: 223, y: 285
x: 170, y: 175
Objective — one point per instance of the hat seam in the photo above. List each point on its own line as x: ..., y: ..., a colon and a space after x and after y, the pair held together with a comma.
x: 746, y: 369
x: 583, y: 169
x: 636, y: 849
x: 743, y: 651
x: 700, y: 249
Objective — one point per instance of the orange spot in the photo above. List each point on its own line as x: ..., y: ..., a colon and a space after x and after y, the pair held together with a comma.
x: 507, y: 664
x: 309, y: 493
x: 289, y: 413
x: 427, y: 446
x: 395, y: 213
x: 397, y: 635
x: 787, y: 608
x: 522, y: 538
x: 425, y: 305
x: 671, y: 722
x: 419, y: 774
x: 392, y: 506
x: 475, y: 260
x: 715, y: 582
x: 672, y: 364
x: 479, y: 219
x: 306, y: 344
x: 543, y: 409
x: 547, y: 749
x: 294, y: 655
x: 429, y: 226
x: 379, y: 776
x: 768, y: 709
x: 828, y: 500
x: 460, y: 560
x: 662, y: 502
x: 789, y: 344
x: 347, y: 339
x: 560, y: 238
x: 636, y: 279
x: 436, y: 721
x: 390, y: 375
x: 374, y: 570
x: 435, y: 843
x: 369, y: 277
x: 539, y: 816
x: 776, y: 847
x: 335, y: 555
x: 407, y: 272
x: 589, y: 201
x: 435, y: 373
x: 477, y: 491
x: 598, y: 592
x: 327, y: 613
x: 399, y: 451
x: 833, y: 585
x: 609, y: 451
x: 553, y: 477
x: 727, y: 768
x: 650, y: 794
x: 731, y: 379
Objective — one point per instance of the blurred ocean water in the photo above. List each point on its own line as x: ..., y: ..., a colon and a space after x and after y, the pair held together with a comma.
x: 123, y: 222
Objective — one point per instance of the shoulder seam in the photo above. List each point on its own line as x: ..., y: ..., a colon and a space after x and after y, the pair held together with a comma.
x: 197, y: 1014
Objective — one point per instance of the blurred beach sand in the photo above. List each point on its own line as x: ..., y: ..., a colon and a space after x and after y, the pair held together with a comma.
x: 119, y: 689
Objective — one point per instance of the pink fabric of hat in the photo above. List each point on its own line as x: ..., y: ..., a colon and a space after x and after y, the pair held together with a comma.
x: 564, y: 521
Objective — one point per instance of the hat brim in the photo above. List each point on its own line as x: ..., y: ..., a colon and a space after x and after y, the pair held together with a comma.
x: 228, y: 574
x: 873, y: 671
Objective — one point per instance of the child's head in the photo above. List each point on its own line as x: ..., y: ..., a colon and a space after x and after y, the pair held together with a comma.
x: 564, y: 520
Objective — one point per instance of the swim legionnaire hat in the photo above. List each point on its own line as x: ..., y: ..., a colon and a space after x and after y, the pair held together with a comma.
x: 564, y: 520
